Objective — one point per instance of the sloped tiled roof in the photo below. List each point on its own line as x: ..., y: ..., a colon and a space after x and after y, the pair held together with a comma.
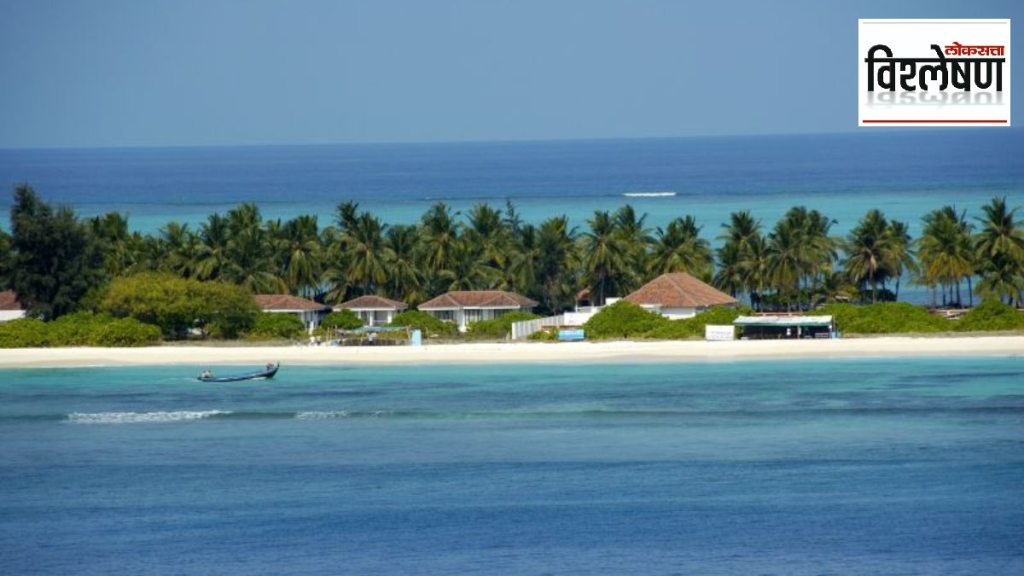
x: 478, y: 299
x: 373, y: 303
x: 679, y: 290
x: 286, y: 302
x: 9, y: 300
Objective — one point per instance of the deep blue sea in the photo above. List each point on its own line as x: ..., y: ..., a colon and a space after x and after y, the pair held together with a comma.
x: 905, y: 173
x: 846, y: 467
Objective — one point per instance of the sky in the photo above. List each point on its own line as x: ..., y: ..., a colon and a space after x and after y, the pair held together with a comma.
x: 233, y: 72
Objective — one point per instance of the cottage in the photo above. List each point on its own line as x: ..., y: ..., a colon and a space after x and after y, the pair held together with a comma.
x: 10, y: 306
x: 679, y: 295
x: 465, y: 307
x: 373, y: 310
x: 306, y: 310
x: 779, y: 327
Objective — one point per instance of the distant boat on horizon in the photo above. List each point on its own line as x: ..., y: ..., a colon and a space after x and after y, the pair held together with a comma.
x: 649, y: 194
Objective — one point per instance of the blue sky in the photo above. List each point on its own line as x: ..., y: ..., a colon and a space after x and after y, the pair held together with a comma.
x: 210, y: 72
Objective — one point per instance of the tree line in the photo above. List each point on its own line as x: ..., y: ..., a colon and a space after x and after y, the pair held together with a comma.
x: 59, y: 263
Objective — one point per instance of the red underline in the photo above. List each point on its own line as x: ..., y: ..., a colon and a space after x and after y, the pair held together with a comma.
x: 935, y: 121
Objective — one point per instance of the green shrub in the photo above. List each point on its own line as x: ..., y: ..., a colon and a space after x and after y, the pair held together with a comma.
x: 689, y: 328
x: 622, y: 320
x: 176, y: 305
x: 884, y: 318
x: 342, y: 320
x: 276, y: 326
x: 23, y: 333
x: 498, y: 328
x: 991, y: 315
x: 78, y: 329
x: 75, y: 329
x: 124, y: 332
x: 429, y: 325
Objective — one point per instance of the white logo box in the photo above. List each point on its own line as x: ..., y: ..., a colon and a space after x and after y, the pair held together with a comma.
x: 957, y: 40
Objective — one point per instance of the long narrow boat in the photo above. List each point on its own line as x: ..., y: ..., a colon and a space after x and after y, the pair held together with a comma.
x: 265, y: 374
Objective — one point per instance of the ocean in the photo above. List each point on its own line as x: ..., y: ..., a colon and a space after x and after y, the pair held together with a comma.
x: 864, y: 466
x: 904, y: 173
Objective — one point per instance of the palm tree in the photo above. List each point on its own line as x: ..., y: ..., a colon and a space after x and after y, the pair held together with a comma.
x: 345, y: 215
x: 729, y: 273
x: 822, y: 249
x: 902, y: 251
x: 525, y: 260
x: 335, y: 278
x: 115, y: 241
x: 605, y: 254
x: 182, y: 250
x: 756, y: 271
x: 469, y: 268
x: 512, y: 221
x: 634, y: 239
x: 999, y: 246
x: 301, y: 253
x: 440, y: 233
x: 365, y: 255
x: 404, y: 281
x: 945, y: 252
x: 487, y: 231
x: 248, y: 253
x: 742, y: 243
x: 870, y: 256
x: 679, y: 248
x: 787, y: 261
x: 212, y: 257
x: 557, y: 262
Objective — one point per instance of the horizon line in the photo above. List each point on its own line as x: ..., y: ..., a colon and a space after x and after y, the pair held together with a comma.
x: 851, y: 130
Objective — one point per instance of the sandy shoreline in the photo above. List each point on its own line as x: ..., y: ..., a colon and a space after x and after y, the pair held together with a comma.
x: 497, y: 353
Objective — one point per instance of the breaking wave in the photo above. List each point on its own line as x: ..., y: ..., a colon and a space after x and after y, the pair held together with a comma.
x: 1015, y: 407
x: 649, y: 194
x: 142, y: 417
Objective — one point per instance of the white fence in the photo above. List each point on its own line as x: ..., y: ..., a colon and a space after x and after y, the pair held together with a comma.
x: 524, y: 328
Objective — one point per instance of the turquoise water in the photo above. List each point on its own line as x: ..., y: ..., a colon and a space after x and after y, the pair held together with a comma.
x: 813, y: 467
x: 904, y: 173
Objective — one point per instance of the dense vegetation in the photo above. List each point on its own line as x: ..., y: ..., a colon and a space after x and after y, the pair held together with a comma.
x: 53, y: 260
x: 276, y: 327
x: 341, y: 320
x: 187, y: 281
x: 627, y: 320
x: 178, y: 305
x: 498, y: 328
x: 991, y: 315
x: 885, y: 318
x: 79, y: 329
x: 428, y: 325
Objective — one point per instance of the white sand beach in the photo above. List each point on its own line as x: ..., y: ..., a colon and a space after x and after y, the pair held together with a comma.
x: 497, y: 353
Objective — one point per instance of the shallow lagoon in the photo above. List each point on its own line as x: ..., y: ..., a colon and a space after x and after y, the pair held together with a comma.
x: 809, y: 467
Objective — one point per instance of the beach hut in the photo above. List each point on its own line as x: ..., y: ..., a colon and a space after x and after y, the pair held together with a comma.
x: 306, y: 310
x: 373, y: 310
x: 679, y: 295
x: 10, y: 306
x: 463, y: 307
x: 781, y: 327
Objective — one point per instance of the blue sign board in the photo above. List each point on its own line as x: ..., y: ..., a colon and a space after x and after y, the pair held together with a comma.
x: 570, y: 334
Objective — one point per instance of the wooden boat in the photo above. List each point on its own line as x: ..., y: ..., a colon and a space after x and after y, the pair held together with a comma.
x: 264, y: 374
